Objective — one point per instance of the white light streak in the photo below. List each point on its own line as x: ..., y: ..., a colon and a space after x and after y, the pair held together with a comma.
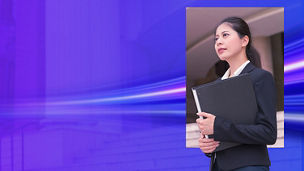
x: 121, y: 98
x: 294, y: 117
x: 294, y: 66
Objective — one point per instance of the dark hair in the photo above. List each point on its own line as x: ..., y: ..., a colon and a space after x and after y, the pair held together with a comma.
x: 242, y: 28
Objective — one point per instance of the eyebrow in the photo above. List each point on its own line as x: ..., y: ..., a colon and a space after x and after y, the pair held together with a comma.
x: 222, y: 32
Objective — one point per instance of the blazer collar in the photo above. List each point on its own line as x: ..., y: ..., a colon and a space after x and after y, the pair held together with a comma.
x: 249, y: 67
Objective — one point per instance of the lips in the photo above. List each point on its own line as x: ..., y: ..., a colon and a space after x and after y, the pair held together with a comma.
x: 221, y: 50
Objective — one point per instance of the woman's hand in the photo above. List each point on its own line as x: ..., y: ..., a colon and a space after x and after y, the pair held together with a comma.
x: 206, y: 125
x: 207, y: 145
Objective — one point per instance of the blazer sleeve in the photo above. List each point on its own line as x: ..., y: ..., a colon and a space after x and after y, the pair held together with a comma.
x: 264, y: 131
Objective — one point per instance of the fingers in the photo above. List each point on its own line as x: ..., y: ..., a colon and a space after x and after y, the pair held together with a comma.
x: 204, y: 114
x: 206, y: 125
x: 199, y: 120
x: 209, y: 149
x: 201, y: 123
x: 208, y: 140
x: 208, y: 145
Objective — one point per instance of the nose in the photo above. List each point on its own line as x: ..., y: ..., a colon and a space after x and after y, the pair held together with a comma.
x: 218, y: 42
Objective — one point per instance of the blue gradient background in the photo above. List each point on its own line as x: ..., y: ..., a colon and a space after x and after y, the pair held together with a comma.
x: 100, y: 85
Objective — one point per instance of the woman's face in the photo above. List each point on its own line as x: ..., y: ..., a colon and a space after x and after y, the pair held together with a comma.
x: 227, y: 42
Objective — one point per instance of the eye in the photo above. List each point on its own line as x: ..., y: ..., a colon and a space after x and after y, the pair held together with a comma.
x: 215, y: 39
x: 225, y: 34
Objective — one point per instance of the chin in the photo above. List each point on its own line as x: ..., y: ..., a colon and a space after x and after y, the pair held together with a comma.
x: 223, y: 58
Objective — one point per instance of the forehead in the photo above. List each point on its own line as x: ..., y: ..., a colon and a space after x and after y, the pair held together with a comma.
x: 223, y: 27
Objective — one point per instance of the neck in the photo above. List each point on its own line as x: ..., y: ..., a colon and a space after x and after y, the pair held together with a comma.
x: 236, y: 61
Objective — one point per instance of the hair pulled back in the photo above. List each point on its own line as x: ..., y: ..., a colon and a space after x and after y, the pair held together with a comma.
x: 242, y: 28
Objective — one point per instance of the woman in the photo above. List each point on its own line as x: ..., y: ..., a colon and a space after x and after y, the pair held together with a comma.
x: 233, y: 45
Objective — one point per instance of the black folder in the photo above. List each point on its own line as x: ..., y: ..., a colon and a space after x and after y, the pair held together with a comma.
x: 232, y: 98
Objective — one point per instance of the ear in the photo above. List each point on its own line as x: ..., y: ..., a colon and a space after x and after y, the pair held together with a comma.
x: 245, y: 41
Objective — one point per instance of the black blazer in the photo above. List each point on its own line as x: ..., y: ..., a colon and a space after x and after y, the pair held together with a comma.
x: 253, y: 138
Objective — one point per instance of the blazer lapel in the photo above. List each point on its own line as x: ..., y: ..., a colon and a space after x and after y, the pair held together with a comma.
x: 249, y: 67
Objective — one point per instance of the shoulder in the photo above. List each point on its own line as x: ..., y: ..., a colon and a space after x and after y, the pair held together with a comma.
x: 262, y: 81
x: 260, y: 75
